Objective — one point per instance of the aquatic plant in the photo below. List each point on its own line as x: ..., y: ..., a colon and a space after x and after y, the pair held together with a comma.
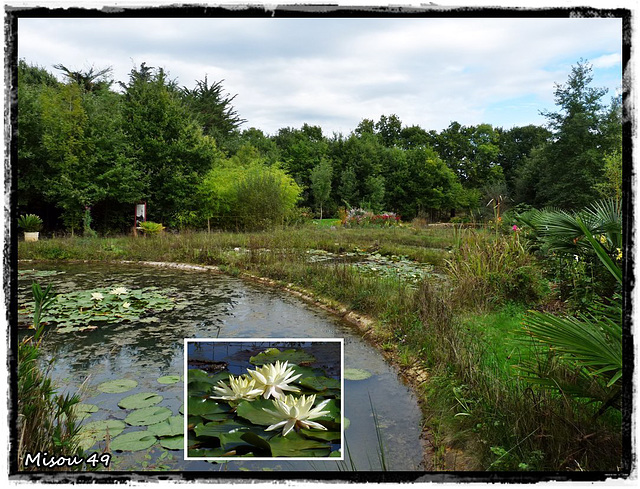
x: 85, y: 309
x: 47, y: 421
x: 232, y: 416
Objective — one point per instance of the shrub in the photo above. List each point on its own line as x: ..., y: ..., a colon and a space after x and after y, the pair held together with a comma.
x: 30, y: 223
x: 494, y: 269
x: 151, y: 228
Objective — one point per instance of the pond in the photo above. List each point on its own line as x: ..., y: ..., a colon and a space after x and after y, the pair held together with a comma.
x: 149, y: 350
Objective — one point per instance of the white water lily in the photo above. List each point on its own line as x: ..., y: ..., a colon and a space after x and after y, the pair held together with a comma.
x: 274, y: 379
x: 126, y: 305
x: 239, y: 388
x: 97, y: 296
x: 119, y: 291
x: 296, y: 412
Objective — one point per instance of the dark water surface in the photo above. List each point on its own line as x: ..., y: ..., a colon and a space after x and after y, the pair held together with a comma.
x: 219, y: 306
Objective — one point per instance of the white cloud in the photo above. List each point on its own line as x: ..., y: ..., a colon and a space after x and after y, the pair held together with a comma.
x: 338, y: 71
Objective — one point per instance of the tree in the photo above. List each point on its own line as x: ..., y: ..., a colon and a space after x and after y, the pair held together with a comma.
x: 321, y: 176
x: 515, y: 145
x: 213, y: 109
x: 170, y: 149
x: 584, y: 129
x: 89, y: 81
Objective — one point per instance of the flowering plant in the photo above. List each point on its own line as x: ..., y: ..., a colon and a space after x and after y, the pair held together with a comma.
x: 274, y: 409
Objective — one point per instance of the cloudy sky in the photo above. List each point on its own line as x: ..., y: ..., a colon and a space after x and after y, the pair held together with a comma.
x: 334, y: 72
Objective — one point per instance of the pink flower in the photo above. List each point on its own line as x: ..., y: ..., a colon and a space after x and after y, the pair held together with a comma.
x: 515, y: 228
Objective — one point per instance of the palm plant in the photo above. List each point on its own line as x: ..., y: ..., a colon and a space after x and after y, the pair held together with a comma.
x: 589, y: 344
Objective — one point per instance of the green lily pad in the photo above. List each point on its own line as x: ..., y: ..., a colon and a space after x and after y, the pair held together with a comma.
x: 356, y: 374
x: 198, y: 406
x: 117, y: 386
x: 169, y: 379
x: 173, y: 442
x: 294, y: 445
x: 215, y: 429
x: 93, y: 432
x: 257, y: 441
x: 169, y: 427
x: 319, y: 383
x: 132, y: 442
x: 320, y: 435
x: 83, y: 410
x: 254, y: 412
x: 141, y: 400
x: 272, y: 355
x: 147, y: 416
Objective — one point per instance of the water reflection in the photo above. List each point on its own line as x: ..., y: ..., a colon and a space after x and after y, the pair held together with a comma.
x: 217, y: 306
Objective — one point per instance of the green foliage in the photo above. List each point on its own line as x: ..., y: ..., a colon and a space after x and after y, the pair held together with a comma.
x: 494, y: 269
x: 321, y: 182
x: 150, y: 228
x: 47, y: 421
x: 30, y: 223
x: 212, y: 109
x: 252, y: 197
x: 580, y: 249
x: 566, y: 172
x: 588, y: 346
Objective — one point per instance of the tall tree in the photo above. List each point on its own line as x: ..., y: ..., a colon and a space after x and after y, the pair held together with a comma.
x: 321, y: 183
x: 213, y: 109
x: 571, y: 166
x: 170, y: 148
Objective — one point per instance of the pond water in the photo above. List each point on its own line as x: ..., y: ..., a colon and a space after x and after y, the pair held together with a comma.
x: 211, y: 305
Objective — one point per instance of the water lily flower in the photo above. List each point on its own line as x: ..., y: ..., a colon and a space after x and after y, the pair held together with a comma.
x: 296, y: 412
x: 97, y: 296
x: 239, y: 388
x: 274, y: 379
x: 119, y: 291
x: 126, y: 305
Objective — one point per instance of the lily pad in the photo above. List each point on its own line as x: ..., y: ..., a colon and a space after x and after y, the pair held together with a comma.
x: 169, y: 379
x: 141, y: 400
x: 254, y: 412
x: 147, y: 416
x: 132, y: 442
x: 294, y: 445
x: 356, y: 374
x: 321, y: 435
x: 271, y: 355
x: 83, y: 410
x: 215, y: 429
x: 117, y: 386
x: 169, y: 427
x: 173, y: 442
x: 319, y: 383
x: 198, y: 406
x: 93, y: 432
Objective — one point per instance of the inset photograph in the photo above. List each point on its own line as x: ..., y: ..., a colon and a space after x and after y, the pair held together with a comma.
x: 264, y: 398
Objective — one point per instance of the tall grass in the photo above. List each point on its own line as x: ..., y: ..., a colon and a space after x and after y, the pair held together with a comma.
x: 473, y: 398
x: 46, y: 420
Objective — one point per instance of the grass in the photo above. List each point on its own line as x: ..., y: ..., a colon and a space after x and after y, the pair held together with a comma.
x: 47, y: 422
x: 463, y: 332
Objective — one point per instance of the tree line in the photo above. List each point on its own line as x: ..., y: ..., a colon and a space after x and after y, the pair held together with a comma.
x: 89, y: 149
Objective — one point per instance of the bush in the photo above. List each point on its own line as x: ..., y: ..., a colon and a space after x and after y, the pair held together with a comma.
x: 30, y: 223
x: 151, y: 228
x: 494, y: 269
